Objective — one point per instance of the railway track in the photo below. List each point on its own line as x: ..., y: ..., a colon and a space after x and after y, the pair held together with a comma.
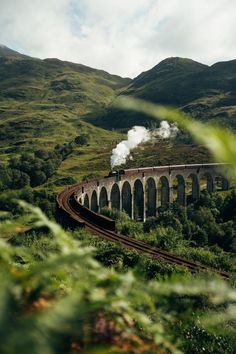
x: 65, y: 201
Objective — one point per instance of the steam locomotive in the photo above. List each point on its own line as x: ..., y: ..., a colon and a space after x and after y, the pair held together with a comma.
x: 169, y: 168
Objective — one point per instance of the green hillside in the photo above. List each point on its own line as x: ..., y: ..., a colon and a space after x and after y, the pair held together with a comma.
x: 50, y: 95
x: 43, y: 103
x: 204, y: 92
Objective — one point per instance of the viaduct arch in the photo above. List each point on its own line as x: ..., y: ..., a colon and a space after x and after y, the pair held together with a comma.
x: 139, y: 192
x: 127, y: 198
x: 151, y: 195
x: 115, y: 197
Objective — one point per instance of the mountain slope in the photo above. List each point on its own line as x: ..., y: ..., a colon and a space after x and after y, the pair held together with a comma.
x: 8, y: 52
x: 51, y: 95
x: 205, y: 92
x: 163, y: 82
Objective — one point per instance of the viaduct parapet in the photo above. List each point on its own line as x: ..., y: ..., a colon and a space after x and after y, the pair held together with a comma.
x: 139, y: 192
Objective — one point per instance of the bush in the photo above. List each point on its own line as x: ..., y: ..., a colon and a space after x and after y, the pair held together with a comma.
x: 130, y: 228
x: 115, y: 214
x: 168, y: 238
x: 81, y: 139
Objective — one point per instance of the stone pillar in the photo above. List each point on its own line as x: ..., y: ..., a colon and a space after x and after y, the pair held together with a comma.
x: 181, y: 192
x: 132, y: 205
x: 195, y: 189
x: 109, y: 198
x: 144, y: 199
x: 144, y: 206
x: 157, y: 203
x: 98, y: 197
x: 120, y: 191
x: 82, y: 199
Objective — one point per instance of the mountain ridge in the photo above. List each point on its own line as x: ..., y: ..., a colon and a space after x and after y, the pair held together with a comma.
x: 171, y: 63
x: 6, y: 51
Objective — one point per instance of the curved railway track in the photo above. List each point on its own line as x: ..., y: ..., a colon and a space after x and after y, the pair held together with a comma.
x: 65, y: 201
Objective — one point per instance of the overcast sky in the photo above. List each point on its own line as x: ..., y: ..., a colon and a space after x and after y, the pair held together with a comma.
x: 124, y: 37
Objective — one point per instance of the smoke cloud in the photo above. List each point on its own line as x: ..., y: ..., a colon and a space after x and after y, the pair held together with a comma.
x: 166, y: 130
x: 138, y: 135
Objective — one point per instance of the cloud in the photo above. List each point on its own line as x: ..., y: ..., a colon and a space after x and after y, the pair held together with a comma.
x: 123, y: 37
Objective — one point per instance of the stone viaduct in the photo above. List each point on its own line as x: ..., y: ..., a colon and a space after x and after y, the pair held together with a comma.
x: 139, y: 192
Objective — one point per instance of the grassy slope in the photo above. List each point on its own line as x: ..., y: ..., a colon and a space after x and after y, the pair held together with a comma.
x: 43, y: 103
x: 52, y: 95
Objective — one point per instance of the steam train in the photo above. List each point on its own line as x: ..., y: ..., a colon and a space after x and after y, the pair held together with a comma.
x: 169, y: 168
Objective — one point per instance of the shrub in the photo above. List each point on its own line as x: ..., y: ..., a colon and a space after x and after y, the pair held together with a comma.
x: 168, y: 238
x: 81, y: 139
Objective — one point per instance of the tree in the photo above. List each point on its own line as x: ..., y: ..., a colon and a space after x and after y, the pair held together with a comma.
x: 229, y: 207
x: 48, y: 168
x: 38, y: 178
x: 19, y: 179
x: 167, y: 219
x: 5, y: 178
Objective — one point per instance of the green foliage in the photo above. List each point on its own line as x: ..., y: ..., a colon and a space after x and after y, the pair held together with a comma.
x: 55, y: 298
x: 115, y: 214
x: 197, y: 232
x: 33, y: 169
x: 214, y: 257
x: 44, y: 198
x: 228, y: 210
x: 37, y: 178
x: 168, y: 238
x: 13, y: 179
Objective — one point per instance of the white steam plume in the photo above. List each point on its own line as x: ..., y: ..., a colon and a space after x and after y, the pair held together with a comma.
x: 138, y: 135
x: 166, y: 130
